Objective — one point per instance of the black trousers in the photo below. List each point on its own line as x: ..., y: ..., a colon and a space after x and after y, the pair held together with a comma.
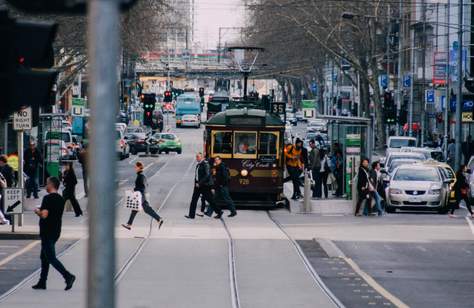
x: 324, y: 180
x: 458, y: 202
x: 222, y: 192
x: 295, y: 179
x: 147, y: 209
x: 363, y: 196
x: 206, y: 193
x: 48, y: 256
x: 340, y: 183
x: 84, y: 177
x: 70, y: 194
x: 317, y: 183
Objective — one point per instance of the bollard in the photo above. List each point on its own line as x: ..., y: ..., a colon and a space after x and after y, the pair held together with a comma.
x: 307, y: 208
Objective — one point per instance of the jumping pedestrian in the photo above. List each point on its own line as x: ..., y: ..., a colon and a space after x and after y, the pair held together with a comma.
x: 202, y: 186
x: 69, y: 192
x: 140, y: 186
x: 461, y: 190
x: 50, y: 214
x: 221, y: 185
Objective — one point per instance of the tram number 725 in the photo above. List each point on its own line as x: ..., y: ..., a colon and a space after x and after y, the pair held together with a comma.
x: 244, y: 181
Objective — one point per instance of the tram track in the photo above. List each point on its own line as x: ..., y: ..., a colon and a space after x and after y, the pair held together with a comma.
x: 232, y: 268
x: 314, y: 275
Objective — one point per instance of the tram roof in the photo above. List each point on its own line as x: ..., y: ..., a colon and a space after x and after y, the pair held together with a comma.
x: 225, y: 118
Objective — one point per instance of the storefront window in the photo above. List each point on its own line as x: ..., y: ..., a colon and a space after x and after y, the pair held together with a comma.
x: 245, y: 144
x: 222, y: 143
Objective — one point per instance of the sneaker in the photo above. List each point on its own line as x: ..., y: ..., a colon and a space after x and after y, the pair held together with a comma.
x: 452, y: 216
x: 200, y: 214
x: 160, y: 223
x: 127, y: 227
x: 188, y: 217
x: 232, y: 214
x: 39, y: 286
x: 69, y: 282
x: 218, y: 216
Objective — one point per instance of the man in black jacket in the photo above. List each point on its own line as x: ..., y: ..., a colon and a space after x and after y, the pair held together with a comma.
x: 32, y: 161
x: 202, y: 186
x: 222, y: 185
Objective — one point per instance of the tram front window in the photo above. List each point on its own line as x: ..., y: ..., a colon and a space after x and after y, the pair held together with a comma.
x: 245, y: 143
x: 222, y: 143
x: 268, y: 144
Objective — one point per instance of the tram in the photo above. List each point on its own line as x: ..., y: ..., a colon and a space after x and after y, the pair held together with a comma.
x: 250, y: 143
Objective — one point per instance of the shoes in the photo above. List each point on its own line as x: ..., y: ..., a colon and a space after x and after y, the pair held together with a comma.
x: 160, y: 223
x: 232, y: 214
x: 78, y: 215
x: 188, y: 217
x: 127, y: 227
x: 218, y: 216
x: 200, y: 214
x: 69, y: 282
x: 452, y: 215
x: 39, y: 286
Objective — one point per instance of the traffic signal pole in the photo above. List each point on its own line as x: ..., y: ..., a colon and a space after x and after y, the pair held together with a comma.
x: 459, y: 101
x: 103, y: 53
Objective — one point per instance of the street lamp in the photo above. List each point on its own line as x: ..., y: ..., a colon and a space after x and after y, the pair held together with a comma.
x: 245, y: 57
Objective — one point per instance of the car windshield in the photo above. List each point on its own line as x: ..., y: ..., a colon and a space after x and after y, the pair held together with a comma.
x: 422, y: 175
x: 400, y: 162
x: 168, y: 136
x: 398, y: 143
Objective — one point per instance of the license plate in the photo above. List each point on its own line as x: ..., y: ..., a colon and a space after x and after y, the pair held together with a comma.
x: 414, y: 199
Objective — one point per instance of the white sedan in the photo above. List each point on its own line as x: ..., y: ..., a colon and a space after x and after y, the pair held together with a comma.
x: 190, y: 120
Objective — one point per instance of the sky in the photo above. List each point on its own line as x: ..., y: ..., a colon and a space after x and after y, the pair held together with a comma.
x: 212, y: 14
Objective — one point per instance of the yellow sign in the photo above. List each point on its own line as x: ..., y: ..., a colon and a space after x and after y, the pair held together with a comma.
x: 467, y: 117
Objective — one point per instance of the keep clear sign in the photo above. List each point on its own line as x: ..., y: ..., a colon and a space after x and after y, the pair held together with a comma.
x: 22, y: 120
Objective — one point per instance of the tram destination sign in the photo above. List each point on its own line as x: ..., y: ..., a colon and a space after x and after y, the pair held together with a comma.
x: 246, y: 121
x: 278, y: 108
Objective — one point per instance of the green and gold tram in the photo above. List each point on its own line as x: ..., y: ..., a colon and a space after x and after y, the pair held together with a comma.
x: 250, y: 142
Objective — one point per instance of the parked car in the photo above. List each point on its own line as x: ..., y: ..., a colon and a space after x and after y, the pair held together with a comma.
x: 121, y: 145
x: 138, y: 143
x: 65, y: 136
x: 190, y: 120
x: 168, y: 143
x: 55, y: 149
x: 417, y: 187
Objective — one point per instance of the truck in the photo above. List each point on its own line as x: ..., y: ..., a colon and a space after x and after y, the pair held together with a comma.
x: 187, y: 104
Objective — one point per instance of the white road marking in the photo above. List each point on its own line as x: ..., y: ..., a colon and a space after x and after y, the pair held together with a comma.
x: 421, y: 248
x: 471, y: 226
x: 388, y: 247
x: 19, y: 252
x: 133, y: 159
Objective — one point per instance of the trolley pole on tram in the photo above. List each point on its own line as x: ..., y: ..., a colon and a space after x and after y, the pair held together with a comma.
x: 103, y: 51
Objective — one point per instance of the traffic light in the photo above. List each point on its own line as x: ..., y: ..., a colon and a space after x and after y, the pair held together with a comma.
x: 148, y: 101
x: 168, y: 97
x: 201, y: 92
x: 25, y: 75
x: 389, y: 108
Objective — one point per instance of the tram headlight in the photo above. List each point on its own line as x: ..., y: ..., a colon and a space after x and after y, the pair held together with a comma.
x: 244, y: 172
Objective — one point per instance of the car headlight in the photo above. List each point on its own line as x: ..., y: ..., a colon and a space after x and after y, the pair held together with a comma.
x: 244, y: 172
x: 395, y: 191
x: 434, y: 191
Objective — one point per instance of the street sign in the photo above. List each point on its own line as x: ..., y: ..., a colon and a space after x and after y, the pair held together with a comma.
x: 13, y: 202
x: 23, y: 119
x: 430, y: 96
x: 278, y: 108
x: 406, y: 81
x: 77, y: 110
x: 383, y: 81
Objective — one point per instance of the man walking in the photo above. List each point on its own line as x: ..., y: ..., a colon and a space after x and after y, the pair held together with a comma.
x: 222, y: 185
x: 315, y: 167
x: 202, y: 186
x: 50, y: 214
x: 82, y: 157
x: 33, y: 160
x: 294, y: 166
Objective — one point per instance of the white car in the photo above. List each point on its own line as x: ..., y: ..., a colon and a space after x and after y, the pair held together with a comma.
x: 402, y: 155
x: 190, y: 120
x: 417, y: 186
x: 395, y: 143
x: 121, y: 146
x: 121, y: 126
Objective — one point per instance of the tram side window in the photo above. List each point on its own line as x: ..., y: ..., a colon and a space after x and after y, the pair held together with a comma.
x: 268, y: 144
x: 245, y: 143
x: 222, y: 143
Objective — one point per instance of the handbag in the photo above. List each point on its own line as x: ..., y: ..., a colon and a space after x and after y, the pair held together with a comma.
x: 464, y: 191
x: 133, y: 200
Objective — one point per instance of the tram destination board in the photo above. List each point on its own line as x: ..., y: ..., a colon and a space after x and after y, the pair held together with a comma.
x: 246, y: 121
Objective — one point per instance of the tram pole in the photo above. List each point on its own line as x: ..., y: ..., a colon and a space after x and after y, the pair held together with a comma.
x: 103, y: 51
x: 307, y: 192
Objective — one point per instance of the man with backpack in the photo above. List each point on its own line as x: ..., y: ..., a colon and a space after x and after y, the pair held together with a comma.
x: 221, y: 182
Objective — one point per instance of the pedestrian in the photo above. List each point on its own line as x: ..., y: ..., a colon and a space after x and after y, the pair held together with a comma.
x: 461, y: 190
x: 315, y: 167
x: 50, y: 214
x: 221, y: 184
x: 294, y: 166
x: 202, y: 186
x: 3, y: 184
x: 364, y: 187
x: 69, y: 192
x: 324, y: 171
x: 6, y: 170
x: 467, y: 148
x: 32, y: 161
x: 451, y: 153
x: 337, y: 164
x: 82, y: 158
x: 140, y: 186
x: 376, y: 180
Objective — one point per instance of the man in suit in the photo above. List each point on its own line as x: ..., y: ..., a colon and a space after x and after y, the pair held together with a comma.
x: 202, y: 186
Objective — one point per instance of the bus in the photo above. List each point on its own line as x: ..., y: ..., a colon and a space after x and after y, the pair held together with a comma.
x: 187, y: 103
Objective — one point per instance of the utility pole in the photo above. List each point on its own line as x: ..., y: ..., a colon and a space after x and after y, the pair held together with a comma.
x: 400, y: 66
x: 459, y: 101
x: 103, y: 53
x: 447, y: 95
x: 423, y: 76
x: 412, y: 73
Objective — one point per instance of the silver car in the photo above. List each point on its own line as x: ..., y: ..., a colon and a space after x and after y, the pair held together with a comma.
x: 417, y: 186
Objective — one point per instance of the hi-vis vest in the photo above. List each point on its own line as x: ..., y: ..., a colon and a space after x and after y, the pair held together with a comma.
x: 293, y: 156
